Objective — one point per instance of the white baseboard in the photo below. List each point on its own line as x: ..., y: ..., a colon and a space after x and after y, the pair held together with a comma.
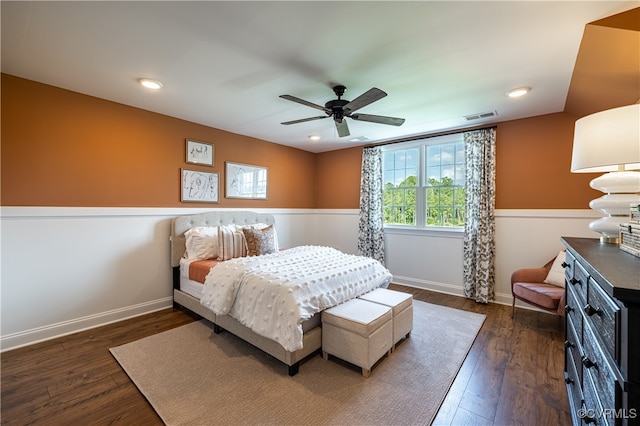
x: 52, y: 331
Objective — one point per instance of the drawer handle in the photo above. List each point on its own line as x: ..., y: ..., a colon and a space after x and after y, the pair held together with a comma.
x: 568, y: 344
x: 568, y: 380
x: 564, y: 264
x: 590, y: 310
x: 588, y: 363
x: 574, y: 282
x: 588, y: 419
x: 568, y: 308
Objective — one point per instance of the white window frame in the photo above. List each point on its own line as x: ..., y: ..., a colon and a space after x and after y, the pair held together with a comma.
x: 420, y: 225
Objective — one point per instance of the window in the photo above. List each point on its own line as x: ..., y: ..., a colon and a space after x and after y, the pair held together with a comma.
x: 424, y: 182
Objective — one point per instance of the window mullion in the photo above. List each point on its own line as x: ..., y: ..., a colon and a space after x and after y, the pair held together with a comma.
x: 420, y: 192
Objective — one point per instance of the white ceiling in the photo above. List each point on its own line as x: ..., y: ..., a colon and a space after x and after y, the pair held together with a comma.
x: 224, y: 64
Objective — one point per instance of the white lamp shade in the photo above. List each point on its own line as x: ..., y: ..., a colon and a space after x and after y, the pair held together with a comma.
x: 606, y: 140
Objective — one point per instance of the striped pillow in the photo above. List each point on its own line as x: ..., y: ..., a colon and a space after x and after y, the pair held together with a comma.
x: 231, y: 243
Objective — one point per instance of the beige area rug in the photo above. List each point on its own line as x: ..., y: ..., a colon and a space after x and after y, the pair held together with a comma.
x: 192, y: 376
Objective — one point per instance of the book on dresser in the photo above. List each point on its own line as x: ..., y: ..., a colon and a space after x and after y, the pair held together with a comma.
x: 602, y: 346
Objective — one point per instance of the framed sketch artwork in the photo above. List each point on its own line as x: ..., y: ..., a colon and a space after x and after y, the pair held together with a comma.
x: 245, y: 181
x: 197, y: 186
x: 199, y: 153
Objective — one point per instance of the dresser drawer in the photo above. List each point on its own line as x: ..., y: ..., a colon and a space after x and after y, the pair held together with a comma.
x: 604, y: 314
x: 568, y: 265
x: 595, y: 365
x: 573, y: 346
x: 573, y: 312
x: 592, y: 413
x: 574, y: 389
x: 578, y: 282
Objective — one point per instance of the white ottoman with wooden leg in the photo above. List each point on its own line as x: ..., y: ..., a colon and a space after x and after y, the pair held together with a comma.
x: 401, y: 305
x: 358, y: 332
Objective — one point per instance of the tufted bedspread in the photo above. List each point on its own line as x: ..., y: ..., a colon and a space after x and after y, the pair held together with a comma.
x: 274, y: 293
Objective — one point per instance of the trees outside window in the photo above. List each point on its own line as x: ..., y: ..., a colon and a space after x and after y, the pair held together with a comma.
x: 424, y: 183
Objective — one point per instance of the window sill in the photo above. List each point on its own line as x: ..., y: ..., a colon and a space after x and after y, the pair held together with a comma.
x: 430, y: 231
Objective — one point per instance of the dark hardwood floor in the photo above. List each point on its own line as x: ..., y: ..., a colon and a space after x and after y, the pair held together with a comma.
x: 512, y: 375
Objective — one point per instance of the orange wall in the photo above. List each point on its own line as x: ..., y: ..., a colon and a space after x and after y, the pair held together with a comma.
x: 533, y: 163
x: 339, y: 184
x: 533, y: 159
x: 61, y: 148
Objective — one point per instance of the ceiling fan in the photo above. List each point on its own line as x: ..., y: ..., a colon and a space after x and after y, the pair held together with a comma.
x: 341, y: 108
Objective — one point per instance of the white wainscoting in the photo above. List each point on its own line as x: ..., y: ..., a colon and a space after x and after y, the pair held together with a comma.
x: 68, y: 269
x: 524, y: 238
x: 433, y: 260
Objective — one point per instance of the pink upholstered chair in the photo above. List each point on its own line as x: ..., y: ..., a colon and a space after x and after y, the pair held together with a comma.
x: 527, y: 285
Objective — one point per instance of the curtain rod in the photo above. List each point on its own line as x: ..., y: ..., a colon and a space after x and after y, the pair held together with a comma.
x: 431, y: 135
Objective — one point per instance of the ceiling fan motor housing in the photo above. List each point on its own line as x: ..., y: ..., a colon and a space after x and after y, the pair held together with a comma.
x: 336, y: 107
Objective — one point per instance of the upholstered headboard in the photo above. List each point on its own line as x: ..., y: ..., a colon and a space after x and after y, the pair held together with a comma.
x: 180, y: 224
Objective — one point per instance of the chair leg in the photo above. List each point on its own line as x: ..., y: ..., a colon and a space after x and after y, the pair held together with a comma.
x: 513, y: 308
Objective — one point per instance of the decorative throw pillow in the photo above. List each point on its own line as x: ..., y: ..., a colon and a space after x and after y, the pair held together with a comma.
x: 556, y: 274
x: 231, y: 242
x: 264, y: 225
x: 260, y: 241
x: 201, y: 243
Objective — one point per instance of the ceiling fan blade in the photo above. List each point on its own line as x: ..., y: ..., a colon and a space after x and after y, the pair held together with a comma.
x: 392, y: 121
x: 303, y: 102
x: 365, y: 99
x: 343, y: 128
x: 302, y: 120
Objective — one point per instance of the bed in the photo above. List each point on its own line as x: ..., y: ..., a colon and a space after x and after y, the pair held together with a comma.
x: 229, y: 305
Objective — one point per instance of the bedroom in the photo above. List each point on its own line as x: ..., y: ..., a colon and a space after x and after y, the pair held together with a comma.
x: 94, y: 184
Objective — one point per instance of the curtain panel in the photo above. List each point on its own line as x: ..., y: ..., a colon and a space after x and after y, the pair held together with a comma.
x: 479, y: 230
x: 370, y: 223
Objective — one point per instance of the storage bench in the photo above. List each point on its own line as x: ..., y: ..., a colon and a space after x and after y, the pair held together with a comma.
x: 401, y: 305
x: 357, y: 331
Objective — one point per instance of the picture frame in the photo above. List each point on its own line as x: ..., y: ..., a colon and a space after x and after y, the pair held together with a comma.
x: 199, y: 187
x: 199, y: 153
x: 245, y: 181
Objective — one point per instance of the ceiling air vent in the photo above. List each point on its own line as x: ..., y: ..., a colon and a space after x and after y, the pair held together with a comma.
x: 480, y: 115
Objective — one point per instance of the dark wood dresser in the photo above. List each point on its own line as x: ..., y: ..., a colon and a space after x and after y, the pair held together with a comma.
x: 602, y: 347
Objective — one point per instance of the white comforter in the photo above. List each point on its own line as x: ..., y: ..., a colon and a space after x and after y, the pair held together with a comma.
x: 274, y: 293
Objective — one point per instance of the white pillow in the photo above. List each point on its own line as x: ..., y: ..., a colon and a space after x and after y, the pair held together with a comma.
x: 556, y: 274
x: 201, y: 243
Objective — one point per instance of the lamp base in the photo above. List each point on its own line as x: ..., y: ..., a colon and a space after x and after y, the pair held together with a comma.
x: 609, y: 240
x: 621, y: 190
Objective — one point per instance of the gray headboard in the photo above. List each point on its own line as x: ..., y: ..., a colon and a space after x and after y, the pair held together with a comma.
x: 180, y: 224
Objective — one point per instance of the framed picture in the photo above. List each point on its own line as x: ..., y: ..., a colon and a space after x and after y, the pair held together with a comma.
x: 197, y: 186
x: 245, y: 181
x: 199, y: 153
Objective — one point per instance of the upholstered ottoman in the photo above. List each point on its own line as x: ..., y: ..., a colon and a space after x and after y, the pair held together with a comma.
x: 401, y: 305
x: 358, y: 332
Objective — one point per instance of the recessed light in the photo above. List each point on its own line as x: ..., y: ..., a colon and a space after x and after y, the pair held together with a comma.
x: 359, y: 139
x: 519, y: 91
x: 151, y: 84
x: 314, y: 137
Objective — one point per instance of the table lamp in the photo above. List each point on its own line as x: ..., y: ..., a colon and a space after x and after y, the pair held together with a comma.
x: 609, y: 141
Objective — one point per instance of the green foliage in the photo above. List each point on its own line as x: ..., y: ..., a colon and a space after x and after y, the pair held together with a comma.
x: 445, y: 203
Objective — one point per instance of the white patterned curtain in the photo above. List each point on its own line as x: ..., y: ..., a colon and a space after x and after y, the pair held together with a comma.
x: 479, y: 230
x: 370, y: 229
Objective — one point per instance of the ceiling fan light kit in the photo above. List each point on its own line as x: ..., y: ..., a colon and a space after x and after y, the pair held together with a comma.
x: 339, y: 109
